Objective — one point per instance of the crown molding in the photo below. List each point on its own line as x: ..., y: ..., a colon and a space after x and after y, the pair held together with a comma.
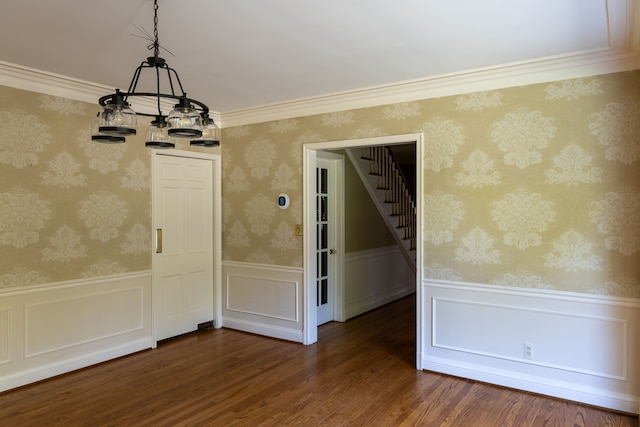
x: 44, y: 82
x: 518, y: 74
x: 31, y: 79
x: 585, y: 64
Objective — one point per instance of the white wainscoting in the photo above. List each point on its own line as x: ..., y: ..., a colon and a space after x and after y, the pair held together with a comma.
x: 375, y: 277
x: 263, y: 299
x: 585, y: 348
x: 55, y: 328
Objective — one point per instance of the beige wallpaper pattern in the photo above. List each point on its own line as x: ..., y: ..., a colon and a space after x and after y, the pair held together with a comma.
x: 69, y: 207
x: 534, y: 186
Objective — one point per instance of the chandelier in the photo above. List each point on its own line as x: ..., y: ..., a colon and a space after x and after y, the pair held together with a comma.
x: 188, y: 119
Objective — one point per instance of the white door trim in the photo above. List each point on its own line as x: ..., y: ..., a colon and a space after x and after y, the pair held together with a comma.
x: 216, y: 177
x: 309, y: 154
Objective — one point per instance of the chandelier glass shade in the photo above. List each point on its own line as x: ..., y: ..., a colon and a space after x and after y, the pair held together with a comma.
x: 188, y: 119
x: 210, y: 134
x: 96, y: 135
x: 158, y: 134
x: 184, y: 120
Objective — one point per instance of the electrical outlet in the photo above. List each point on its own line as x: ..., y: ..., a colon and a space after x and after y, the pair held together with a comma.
x: 527, y: 350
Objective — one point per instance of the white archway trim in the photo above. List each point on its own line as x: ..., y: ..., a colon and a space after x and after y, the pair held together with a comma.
x: 310, y: 330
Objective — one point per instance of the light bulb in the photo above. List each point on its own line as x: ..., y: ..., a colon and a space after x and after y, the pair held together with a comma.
x: 118, y: 118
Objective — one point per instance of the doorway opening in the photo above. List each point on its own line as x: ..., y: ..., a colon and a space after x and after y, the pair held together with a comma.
x: 311, y: 153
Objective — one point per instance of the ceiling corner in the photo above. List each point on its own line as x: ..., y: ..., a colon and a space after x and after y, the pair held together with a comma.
x: 623, y: 21
x: 634, y: 28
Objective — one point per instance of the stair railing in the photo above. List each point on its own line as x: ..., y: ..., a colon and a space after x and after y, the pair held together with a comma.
x: 397, y: 193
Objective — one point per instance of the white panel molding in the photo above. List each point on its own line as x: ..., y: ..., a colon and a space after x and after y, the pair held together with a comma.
x: 5, y: 335
x: 251, y: 285
x: 517, y: 311
x: 585, y: 346
x: 550, y: 294
x: 267, y: 268
x: 54, y: 328
x: 66, y: 284
x: 85, y: 314
x: 248, y: 286
x: 375, y: 277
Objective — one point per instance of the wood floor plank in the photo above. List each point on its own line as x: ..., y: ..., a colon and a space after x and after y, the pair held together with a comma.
x: 360, y: 373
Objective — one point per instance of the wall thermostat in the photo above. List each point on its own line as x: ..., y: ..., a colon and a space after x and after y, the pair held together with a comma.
x: 283, y: 201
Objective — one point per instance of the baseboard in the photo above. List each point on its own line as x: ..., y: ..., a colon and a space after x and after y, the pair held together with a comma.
x: 359, y: 307
x: 547, y: 387
x: 64, y: 366
x: 272, y: 331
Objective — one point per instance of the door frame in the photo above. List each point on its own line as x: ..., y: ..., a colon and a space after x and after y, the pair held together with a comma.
x: 309, y: 155
x: 216, y: 185
x: 336, y: 191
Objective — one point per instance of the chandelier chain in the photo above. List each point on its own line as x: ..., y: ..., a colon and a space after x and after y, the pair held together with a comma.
x: 156, y: 43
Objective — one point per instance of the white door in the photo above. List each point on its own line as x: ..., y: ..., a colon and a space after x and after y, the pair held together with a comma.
x: 328, y: 237
x: 183, y: 235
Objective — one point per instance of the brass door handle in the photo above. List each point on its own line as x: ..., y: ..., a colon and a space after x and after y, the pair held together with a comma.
x: 158, y: 240
x: 332, y: 251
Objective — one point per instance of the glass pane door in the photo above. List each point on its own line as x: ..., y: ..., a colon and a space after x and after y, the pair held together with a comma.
x: 323, y: 248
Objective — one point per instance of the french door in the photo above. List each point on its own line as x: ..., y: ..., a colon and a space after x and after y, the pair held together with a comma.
x: 328, y: 220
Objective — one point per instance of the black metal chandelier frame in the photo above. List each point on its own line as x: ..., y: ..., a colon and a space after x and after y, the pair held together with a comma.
x: 157, y: 63
x: 110, y: 132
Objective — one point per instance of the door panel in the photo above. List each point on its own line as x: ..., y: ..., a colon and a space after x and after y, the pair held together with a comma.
x: 183, y: 271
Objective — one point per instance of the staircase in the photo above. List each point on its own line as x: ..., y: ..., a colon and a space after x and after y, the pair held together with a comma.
x: 390, y: 192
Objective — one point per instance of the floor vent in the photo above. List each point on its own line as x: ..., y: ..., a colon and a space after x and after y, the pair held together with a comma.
x: 205, y: 325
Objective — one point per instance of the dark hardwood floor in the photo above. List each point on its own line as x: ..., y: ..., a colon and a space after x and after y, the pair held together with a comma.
x: 360, y: 373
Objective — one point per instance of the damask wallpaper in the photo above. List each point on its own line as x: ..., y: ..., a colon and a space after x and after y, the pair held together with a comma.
x: 535, y: 186
x: 70, y: 208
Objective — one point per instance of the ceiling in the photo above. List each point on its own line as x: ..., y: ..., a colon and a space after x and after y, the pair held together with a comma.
x: 237, y: 54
